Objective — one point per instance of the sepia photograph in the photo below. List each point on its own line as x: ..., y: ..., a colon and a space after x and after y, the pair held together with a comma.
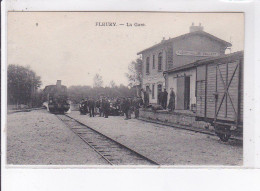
x: 138, y: 89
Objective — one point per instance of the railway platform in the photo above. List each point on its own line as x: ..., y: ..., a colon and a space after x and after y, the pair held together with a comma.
x: 166, y: 145
x: 40, y: 138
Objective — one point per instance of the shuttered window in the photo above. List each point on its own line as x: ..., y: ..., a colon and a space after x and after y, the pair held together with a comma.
x: 147, y: 65
x: 160, y: 61
x: 153, y: 91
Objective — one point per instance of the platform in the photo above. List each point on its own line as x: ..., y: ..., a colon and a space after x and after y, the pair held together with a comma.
x: 183, y: 118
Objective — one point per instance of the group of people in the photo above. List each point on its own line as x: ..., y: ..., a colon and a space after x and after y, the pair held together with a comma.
x: 124, y: 105
x: 103, y: 106
x: 129, y: 105
x: 162, y: 99
x: 92, y: 106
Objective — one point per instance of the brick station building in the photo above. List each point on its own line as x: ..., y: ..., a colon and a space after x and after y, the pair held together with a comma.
x: 161, y: 63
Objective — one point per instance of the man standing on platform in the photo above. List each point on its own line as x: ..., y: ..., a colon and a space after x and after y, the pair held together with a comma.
x: 97, y: 103
x: 164, y: 99
x: 146, y: 98
x: 106, y: 106
x: 171, y: 105
x: 91, y: 105
x: 101, y: 110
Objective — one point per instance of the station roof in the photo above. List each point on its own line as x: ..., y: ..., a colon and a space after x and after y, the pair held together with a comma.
x: 204, y: 61
x: 227, y: 44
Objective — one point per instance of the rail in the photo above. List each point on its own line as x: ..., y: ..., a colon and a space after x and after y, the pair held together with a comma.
x: 114, y: 152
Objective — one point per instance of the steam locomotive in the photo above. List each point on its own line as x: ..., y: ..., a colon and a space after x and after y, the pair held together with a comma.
x: 57, y: 98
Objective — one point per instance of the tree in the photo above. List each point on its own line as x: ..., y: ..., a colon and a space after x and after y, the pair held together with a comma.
x: 98, y: 81
x: 134, y: 74
x: 22, y: 84
x: 112, y: 84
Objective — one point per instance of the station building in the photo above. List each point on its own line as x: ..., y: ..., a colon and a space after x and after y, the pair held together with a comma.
x: 167, y: 65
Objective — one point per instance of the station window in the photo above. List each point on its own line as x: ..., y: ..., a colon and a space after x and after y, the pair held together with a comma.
x: 153, y: 91
x: 159, y: 87
x: 147, y: 65
x: 160, y: 62
x: 153, y: 61
x: 159, y: 90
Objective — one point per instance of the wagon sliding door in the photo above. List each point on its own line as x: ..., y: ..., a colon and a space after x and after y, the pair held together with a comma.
x: 180, y: 93
x: 227, y: 89
x: 200, y: 91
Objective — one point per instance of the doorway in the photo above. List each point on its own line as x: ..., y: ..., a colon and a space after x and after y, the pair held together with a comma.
x: 187, y: 93
x: 159, y: 90
x: 183, y: 93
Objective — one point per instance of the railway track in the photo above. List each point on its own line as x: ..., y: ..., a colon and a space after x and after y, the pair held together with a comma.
x: 113, y: 152
x: 202, y: 131
x: 24, y: 110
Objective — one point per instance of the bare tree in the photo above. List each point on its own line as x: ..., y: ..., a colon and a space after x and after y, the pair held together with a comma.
x: 98, y: 81
x: 134, y: 74
x: 112, y: 84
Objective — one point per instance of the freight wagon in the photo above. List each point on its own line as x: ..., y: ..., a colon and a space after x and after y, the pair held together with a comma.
x: 219, y: 93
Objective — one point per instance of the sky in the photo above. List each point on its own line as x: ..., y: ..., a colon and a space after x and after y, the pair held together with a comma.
x: 69, y: 46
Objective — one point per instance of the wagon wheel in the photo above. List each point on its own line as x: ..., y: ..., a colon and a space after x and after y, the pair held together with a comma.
x: 224, y: 137
x: 224, y: 133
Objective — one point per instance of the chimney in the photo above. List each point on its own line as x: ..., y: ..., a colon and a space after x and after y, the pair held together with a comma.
x: 163, y: 39
x: 194, y: 28
x: 58, y: 84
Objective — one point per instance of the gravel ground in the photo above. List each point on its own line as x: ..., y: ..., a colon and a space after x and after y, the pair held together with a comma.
x: 40, y: 138
x: 167, y: 145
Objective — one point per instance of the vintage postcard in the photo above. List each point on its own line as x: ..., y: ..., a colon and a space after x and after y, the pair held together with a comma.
x: 125, y: 88
x: 129, y: 95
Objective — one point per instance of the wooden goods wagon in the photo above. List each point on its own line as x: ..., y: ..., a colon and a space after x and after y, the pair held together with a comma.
x: 219, y: 93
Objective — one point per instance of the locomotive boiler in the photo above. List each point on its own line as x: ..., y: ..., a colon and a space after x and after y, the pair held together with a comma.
x: 57, y: 98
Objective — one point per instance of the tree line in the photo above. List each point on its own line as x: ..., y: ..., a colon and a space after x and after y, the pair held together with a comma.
x: 77, y: 93
x: 23, y: 86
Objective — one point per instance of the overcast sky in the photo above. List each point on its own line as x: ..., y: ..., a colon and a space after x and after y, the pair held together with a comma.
x: 70, y: 47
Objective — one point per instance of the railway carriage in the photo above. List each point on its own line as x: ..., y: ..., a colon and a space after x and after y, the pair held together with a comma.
x: 219, y: 93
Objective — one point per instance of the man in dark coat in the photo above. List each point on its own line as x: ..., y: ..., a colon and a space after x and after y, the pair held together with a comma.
x: 97, y: 104
x: 91, y: 105
x: 164, y: 99
x: 171, y: 105
x: 106, y: 106
x: 160, y: 98
x: 146, y: 98
x: 130, y: 107
x: 136, y: 105
x: 101, y: 109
